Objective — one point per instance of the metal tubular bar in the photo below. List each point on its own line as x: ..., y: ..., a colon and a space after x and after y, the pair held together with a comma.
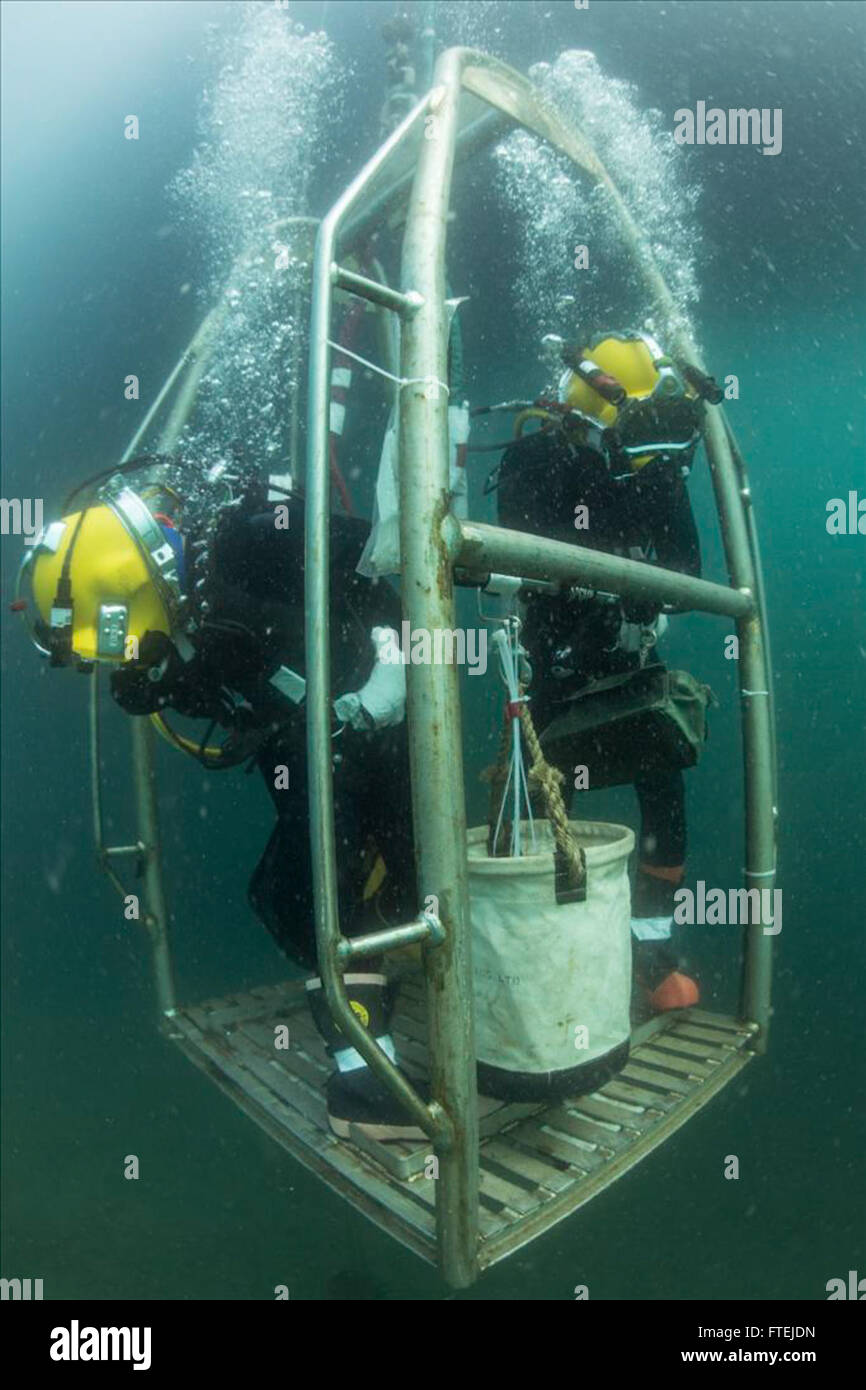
x: 754, y: 545
x: 758, y: 747
x: 433, y: 1119
x: 196, y: 354
x: 131, y: 447
x: 519, y: 553
x: 383, y: 295
x: 148, y: 830
x: 426, y: 928
x: 102, y: 853
x: 95, y: 783
x: 201, y: 348
x: 388, y: 332
x: 435, y: 741
x: 475, y: 136
x: 295, y: 390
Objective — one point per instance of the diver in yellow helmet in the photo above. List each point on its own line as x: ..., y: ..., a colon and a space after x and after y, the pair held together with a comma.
x: 199, y: 610
x: 105, y: 575
x: 635, y: 394
x: 606, y: 467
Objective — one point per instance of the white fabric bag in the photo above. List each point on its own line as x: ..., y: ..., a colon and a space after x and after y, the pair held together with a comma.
x: 552, y: 980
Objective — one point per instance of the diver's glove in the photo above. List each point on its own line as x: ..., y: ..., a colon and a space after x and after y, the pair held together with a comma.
x: 641, y: 637
x: 141, y: 686
x: 161, y: 678
x: 382, y: 700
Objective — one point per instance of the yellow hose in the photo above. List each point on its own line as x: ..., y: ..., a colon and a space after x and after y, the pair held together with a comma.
x: 184, y: 745
x: 533, y: 412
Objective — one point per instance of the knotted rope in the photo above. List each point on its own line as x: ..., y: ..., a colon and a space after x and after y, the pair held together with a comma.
x: 545, y: 782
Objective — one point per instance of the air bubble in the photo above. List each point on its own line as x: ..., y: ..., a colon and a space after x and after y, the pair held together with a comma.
x: 266, y: 128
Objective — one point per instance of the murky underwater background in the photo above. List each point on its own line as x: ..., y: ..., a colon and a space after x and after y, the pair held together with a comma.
x: 113, y: 251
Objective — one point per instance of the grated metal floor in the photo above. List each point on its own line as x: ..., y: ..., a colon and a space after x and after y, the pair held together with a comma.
x: 537, y: 1164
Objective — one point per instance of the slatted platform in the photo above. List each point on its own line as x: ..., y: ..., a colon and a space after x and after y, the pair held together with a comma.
x: 537, y: 1164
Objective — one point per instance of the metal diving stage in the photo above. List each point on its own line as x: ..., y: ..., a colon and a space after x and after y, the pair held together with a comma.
x: 538, y: 1164
x: 505, y: 1173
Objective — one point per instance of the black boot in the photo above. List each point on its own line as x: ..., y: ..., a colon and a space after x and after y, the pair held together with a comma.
x: 355, y: 1095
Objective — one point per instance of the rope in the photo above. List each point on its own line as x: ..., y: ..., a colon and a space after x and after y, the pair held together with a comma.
x: 545, y: 782
x: 400, y: 380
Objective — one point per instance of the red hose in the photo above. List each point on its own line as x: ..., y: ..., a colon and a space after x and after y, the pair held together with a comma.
x: 346, y: 339
x: 337, y: 478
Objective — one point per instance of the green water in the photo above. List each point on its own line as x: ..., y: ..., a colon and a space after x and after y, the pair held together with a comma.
x: 219, y: 1211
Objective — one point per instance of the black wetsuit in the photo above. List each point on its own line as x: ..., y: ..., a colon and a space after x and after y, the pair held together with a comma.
x: 645, y: 515
x: 254, y: 625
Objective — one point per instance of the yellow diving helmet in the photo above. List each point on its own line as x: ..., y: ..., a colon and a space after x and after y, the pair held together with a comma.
x: 626, y: 384
x: 103, y: 577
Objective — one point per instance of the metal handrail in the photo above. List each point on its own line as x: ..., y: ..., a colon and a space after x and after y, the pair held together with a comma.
x: 147, y: 849
x: 432, y: 1118
x: 426, y: 927
x: 482, y: 548
x: 755, y: 549
x: 103, y: 852
x: 432, y: 544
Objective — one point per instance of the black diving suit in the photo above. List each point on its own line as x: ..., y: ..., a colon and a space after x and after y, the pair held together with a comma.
x: 643, y: 515
x: 245, y: 673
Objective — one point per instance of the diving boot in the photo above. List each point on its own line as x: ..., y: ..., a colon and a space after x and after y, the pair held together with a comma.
x: 664, y: 984
x: 658, y: 970
x: 355, y: 1096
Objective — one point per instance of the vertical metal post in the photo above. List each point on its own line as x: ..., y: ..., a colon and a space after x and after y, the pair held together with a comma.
x: 148, y: 834
x: 433, y: 1119
x: 295, y: 390
x: 433, y: 704
x: 739, y: 536
x: 759, y: 771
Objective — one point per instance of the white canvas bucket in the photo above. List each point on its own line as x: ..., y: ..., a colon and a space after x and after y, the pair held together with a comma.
x: 552, y: 980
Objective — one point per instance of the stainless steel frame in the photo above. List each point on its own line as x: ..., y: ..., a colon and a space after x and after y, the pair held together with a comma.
x: 433, y: 544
